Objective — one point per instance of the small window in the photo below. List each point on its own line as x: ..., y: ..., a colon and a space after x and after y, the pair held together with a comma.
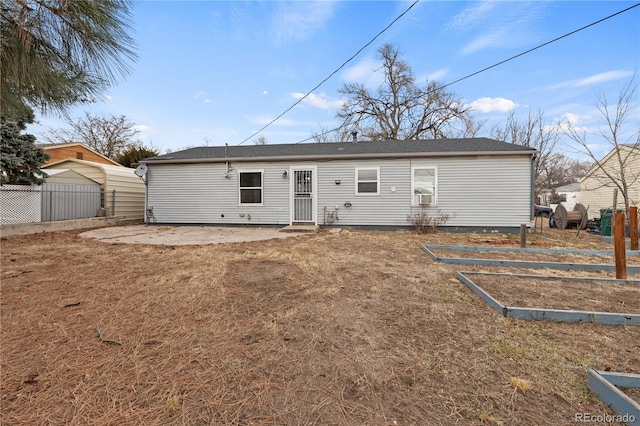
x: 368, y: 181
x: 424, y: 185
x: 251, y: 187
x: 79, y: 155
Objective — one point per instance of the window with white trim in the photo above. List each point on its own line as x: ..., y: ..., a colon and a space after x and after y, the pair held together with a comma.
x: 368, y: 181
x: 250, y: 187
x: 424, y: 184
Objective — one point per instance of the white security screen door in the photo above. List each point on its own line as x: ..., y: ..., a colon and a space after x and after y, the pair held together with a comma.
x: 303, y: 203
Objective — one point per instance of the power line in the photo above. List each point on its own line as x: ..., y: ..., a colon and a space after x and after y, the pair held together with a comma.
x: 538, y: 47
x: 508, y: 59
x: 332, y: 74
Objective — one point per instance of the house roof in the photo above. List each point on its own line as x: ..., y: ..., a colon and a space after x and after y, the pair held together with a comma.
x: 344, y: 150
x: 572, y: 187
x: 632, y: 149
x: 48, y: 146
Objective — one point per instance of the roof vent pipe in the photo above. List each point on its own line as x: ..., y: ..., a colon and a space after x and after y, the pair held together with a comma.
x: 355, y: 137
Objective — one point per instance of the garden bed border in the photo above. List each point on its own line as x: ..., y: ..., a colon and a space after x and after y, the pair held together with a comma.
x: 553, y: 315
x: 587, y: 267
x: 604, y: 384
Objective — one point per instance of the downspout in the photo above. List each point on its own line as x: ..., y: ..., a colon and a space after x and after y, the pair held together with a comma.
x: 534, y: 159
x: 145, y: 179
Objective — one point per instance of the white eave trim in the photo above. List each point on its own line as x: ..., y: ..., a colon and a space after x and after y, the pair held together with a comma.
x: 343, y: 157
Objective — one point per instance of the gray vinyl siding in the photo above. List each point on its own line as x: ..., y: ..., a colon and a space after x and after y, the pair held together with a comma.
x: 486, y: 191
x: 387, y: 208
x: 490, y: 191
x: 200, y: 193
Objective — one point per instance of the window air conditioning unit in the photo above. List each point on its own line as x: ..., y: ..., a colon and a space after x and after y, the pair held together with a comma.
x: 424, y: 199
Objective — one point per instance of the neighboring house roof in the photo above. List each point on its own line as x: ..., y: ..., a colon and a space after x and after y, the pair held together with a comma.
x: 596, y: 167
x: 343, y: 150
x: 64, y: 146
x: 572, y: 187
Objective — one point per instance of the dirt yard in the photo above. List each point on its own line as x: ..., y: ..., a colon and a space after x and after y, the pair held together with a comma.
x: 352, y: 328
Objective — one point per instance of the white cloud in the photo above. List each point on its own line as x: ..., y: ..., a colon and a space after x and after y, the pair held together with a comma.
x: 493, y: 104
x: 366, y: 72
x: 471, y: 16
x: 438, y: 74
x: 499, y: 24
x: 499, y: 37
x: 581, y: 123
x: 142, y: 128
x: 593, y: 79
x: 319, y: 101
x: 264, y: 92
x: 144, y: 131
x: 299, y: 20
x: 572, y: 118
x: 201, y: 95
x: 603, y: 77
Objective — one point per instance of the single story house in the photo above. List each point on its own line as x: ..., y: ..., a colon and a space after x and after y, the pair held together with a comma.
x: 122, y: 190
x: 477, y: 183
x: 597, y: 186
x: 77, y: 151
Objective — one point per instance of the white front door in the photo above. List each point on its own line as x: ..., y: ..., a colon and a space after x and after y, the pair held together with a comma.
x: 303, y: 206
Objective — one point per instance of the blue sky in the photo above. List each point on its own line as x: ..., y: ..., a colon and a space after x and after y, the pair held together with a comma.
x: 213, y: 72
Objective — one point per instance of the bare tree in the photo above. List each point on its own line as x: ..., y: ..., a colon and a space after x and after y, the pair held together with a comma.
x: 533, y: 133
x: 260, y: 140
x: 622, y: 137
x: 399, y: 109
x: 559, y: 170
x: 109, y: 136
x: 339, y: 134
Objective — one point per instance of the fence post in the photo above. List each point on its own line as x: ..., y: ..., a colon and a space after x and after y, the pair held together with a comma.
x: 619, y: 247
x: 633, y: 227
x: 113, y: 203
x: 50, y: 215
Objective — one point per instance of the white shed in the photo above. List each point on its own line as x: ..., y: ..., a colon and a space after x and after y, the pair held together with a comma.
x: 123, y: 191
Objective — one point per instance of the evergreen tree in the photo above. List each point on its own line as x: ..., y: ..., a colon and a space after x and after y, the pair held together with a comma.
x: 55, y: 53
x: 132, y: 156
x: 20, y: 159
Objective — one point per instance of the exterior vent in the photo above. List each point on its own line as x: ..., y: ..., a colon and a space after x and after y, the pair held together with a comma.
x: 424, y: 199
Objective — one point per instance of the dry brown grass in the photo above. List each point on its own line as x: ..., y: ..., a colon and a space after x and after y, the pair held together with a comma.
x: 341, y: 329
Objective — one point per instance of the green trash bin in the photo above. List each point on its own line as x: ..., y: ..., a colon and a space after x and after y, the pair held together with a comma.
x: 605, y: 221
